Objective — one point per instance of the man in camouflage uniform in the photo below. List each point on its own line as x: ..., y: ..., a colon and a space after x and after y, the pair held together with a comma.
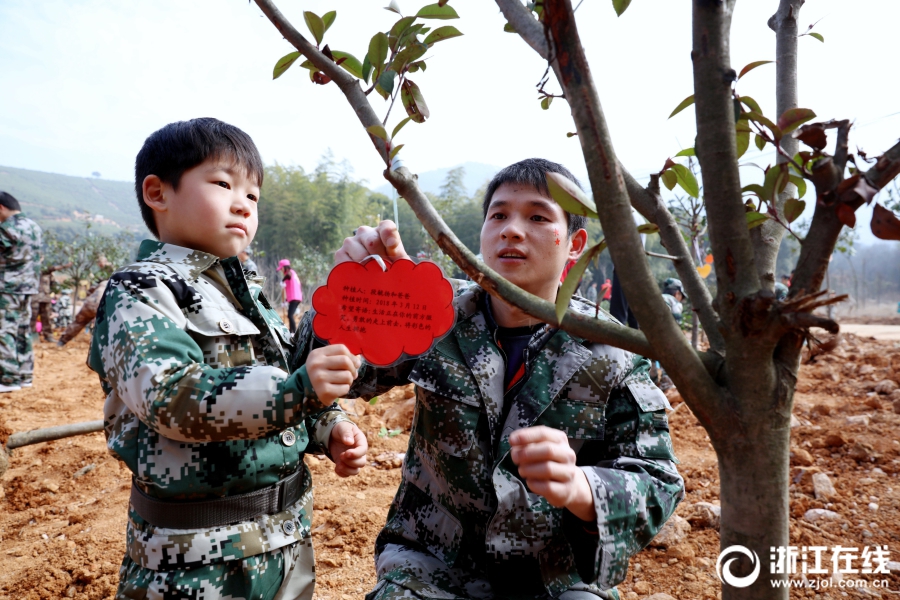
x: 200, y: 403
x: 42, y: 302
x: 501, y: 455
x: 20, y: 268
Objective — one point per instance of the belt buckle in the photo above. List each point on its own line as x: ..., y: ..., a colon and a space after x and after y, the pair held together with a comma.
x: 288, y: 494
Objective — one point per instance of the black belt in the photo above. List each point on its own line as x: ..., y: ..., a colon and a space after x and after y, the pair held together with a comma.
x: 206, y: 514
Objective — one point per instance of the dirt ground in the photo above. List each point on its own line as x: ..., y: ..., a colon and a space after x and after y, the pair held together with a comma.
x: 63, y: 503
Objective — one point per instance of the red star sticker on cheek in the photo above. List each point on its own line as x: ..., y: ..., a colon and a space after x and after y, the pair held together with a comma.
x: 557, y: 241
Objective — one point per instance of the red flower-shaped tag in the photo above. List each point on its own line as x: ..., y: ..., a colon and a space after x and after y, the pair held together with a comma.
x: 387, y: 313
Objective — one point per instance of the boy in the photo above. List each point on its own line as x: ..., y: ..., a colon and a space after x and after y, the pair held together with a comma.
x: 200, y: 404
x: 538, y: 463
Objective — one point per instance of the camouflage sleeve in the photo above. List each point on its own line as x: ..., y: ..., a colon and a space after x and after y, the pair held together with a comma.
x: 633, y: 476
x: 143, y: 351
x: 320, y: 427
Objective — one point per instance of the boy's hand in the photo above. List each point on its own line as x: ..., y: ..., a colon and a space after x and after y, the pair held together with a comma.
x: 348, y: 448
x: 331, y: 371
x: 547, y: 463
x: 383, y: 241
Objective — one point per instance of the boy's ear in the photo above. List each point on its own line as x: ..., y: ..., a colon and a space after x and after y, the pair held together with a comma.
x: 154, y: 193
x: 577, y: 244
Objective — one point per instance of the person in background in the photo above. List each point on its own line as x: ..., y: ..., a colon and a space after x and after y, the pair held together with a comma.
x: 591, y: 293
x: 42, y: 302
x: 606, y: 290
x: 673, y: 294
x: 293, y: 294
x: 20, y: 270
x: 246, y: 258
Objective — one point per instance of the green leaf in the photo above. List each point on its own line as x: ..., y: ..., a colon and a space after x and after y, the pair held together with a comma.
x: 775, y: 181
x: 436, y: 11
x: 743, y: 142
x: 328, y: 18
x: 752, y: 66
x: 366, y: 69
x: 751, y: 104
x: 442, y: 33
x: 684, y: 104
x: 686, y: 180
x: 415, y: 67
x: 398, y: 127
x: 394, y: 7
x: 413, y: 102
x: 508, y: 28
x: 571, y: 134
x: 409, y: 54
x: 395, y: 150
x: 315, y: 24
x: 647, y: 228
x: 398, y: 30
x: 567, y: 289
x: 379, y: 132
x: 386, y: 82
x: 755, y: 188
x: 758, y: 118
x: 818, y: 36
x: 620, y: 6
x: 686, y: 152
x: 373, y: 401
x: 349, y: 63
x: 760, y: 141
x: 669, y: 179
x: 800, y: 183
x: 793, y: 208
x: 378, y: 51
x: 794, y: 118
x: 284, y: 64
x: 755, y: 219
x: 569, y: 196
x: 545, y: 102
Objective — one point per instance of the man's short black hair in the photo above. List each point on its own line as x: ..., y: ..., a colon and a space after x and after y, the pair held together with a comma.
x: 7, y: 200
x: 181, y: 146
x: 531, y: 171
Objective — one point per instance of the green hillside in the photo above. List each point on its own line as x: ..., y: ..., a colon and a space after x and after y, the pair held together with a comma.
x: 64, y: 202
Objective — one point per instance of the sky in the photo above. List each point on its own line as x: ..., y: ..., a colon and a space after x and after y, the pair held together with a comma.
x: 84, y: 82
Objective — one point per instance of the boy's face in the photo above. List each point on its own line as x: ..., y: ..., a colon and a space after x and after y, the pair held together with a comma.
x: 524, y: 238
x: 213, y: 209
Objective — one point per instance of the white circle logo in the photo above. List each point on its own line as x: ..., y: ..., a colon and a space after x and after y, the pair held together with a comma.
x: 724, y: 572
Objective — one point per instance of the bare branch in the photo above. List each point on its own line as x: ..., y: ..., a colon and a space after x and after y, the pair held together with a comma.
x: 48, y: 434
x: 841, y: 150
x: 666, y: 256
x: 523, y: 21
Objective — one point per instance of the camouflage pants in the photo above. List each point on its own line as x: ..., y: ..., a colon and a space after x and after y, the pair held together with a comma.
x: 16, y: 354
x: 284, y: 574
x: 406, y: 572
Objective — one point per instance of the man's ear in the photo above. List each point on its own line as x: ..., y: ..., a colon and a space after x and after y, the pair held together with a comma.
x: 154, y: 193
x: 577, y: 244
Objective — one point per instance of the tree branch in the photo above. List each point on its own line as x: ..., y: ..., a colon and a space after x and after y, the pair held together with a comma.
x: 767, y: 238
x: 614, y: 209
x: 736, y: 273
x: 528, y: 28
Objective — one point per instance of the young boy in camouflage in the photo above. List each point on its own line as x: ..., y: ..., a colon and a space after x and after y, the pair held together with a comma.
x: 20, y: 269
x: 539, y: 462
x: 201, y: 405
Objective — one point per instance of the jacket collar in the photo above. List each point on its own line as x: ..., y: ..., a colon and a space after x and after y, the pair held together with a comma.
x: 189, y: 263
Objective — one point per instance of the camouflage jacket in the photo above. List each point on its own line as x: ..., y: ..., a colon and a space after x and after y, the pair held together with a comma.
x: 461, y: 498
x: 200, y: 404
x: 20, y: 255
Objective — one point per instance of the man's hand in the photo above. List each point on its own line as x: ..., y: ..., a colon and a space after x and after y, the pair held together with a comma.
x: 331, y: 371
x: 348, y: 448
x: 383, y: 241
x: 547, y: 463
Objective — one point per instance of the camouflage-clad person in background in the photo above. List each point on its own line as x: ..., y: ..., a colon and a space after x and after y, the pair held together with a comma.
x: 539, y: 462
x: 673, y: 294
x: 20, y: 269
x: 43, y: 301
x: 200, y: 403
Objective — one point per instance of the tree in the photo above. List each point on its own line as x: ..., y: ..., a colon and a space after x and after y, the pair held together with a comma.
x: 84, y: 253
x: 742, y: 388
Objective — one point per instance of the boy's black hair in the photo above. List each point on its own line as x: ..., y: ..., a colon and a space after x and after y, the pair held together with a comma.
x: 183, y: 145
x: 7, y: 200
x: 531, y: 171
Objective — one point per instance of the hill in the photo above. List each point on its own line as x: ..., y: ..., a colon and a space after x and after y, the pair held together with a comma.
x: 64, y: 202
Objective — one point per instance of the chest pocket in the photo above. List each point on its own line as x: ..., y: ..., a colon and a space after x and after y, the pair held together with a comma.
x: 653, y: 439
x: 216, y: 321
x: 580, y: 408
x: 449, y: 403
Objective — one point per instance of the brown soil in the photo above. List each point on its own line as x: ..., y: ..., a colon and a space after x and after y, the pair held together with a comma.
x: 63, y: 536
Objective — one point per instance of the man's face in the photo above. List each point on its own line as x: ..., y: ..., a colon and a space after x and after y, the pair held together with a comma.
x: 213, y: 210
x: 5, y: 213
x: 524, y: 239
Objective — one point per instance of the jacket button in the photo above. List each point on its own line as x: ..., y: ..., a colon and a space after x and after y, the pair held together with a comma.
x: 288, y: 438
x: 226, y: 326
x: 289, y: 527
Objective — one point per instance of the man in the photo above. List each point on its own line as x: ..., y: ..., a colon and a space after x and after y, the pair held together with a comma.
x: 20, y: 269
x: 247, y: 263
x: 539, y: 462
x: 42, y: 301
x: 673, y: 294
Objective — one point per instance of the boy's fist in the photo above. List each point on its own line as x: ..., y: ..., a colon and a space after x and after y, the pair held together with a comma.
x: 348, y: 448
x: 331, y: 371
x: 383, y: 241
